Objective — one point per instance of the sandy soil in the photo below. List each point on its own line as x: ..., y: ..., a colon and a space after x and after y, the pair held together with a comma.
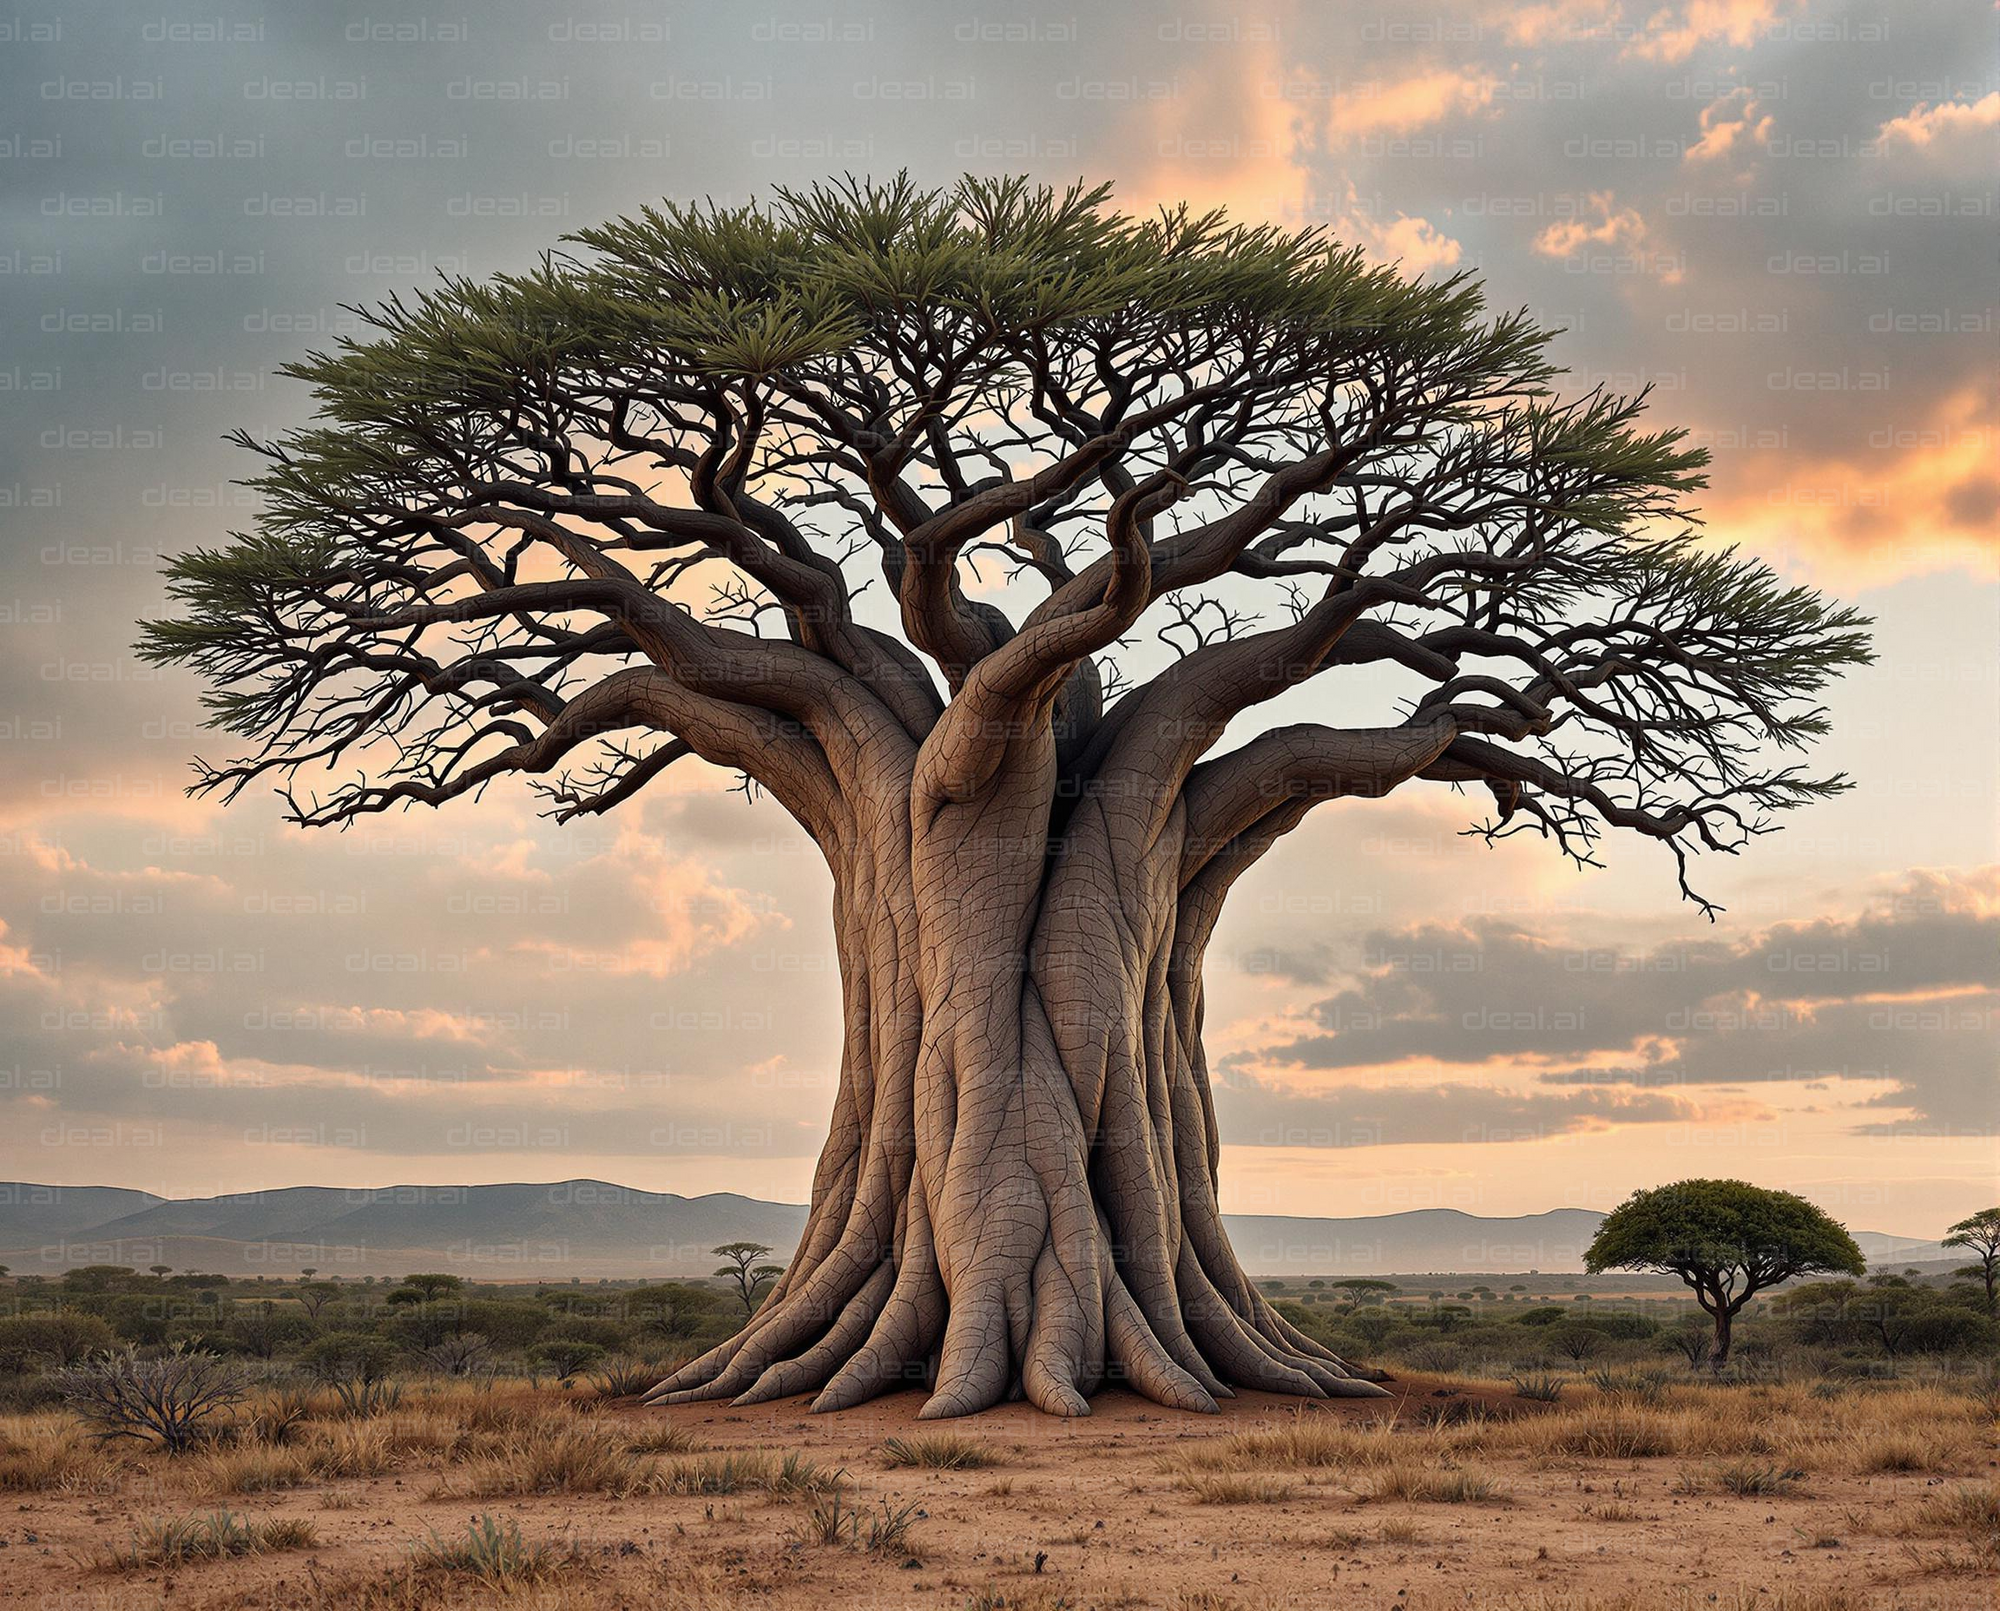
x: 1075, y: 1514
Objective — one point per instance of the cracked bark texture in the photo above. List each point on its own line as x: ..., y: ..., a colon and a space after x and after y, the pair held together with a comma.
x: 1248, y: 457
x: 1019, y: 1195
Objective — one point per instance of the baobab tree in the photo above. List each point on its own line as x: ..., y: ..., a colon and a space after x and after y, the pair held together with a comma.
x: 981, y: 528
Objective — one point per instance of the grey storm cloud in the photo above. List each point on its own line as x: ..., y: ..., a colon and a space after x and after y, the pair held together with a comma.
x: 1906, y: 992
x: 1258, y: 1113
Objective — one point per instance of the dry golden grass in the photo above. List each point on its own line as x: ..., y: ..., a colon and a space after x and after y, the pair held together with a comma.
x: 1302, y: 1441
x: 176, y: 1540
x: 1902, y: 1428
x: 1233, y: 1488
x: 1866, y: 1447
x: 761, y: 1471
x: 939, y: 1451
x: 547, y: 1458
x: 1427, y: 1483
x: 52, y: 1454
x: 252, y: 1469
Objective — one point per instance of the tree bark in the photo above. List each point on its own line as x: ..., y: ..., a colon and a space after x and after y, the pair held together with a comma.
x: 1718, y: 1355
x: 1018, y: 1194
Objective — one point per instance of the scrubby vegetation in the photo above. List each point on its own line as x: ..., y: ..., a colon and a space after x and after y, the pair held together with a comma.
x: 492, y: 1434
x: 1542, y: 1333
x: 365, y: 1341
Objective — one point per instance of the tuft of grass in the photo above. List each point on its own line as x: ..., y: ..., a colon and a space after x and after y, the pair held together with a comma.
x: 939, y: 1451
x: 1883, y: 1451
x: 1231, y: 1488
x: 660, y: 1437
x: 1300, y: 1441
x: 1750, y: 1478
x: 1047, y: 1597
x: 618, y: 1377
x: 1435, y: 1485
x: 1633, y: 1387
x: 494, y: 1552
x: 549, y: 1459
x: 1542, y: 1387
x: 1971, y: 1512
x: 833, y: 1522
x: 1605, y: 1431
x: 173, y: 1540
x: 716, y: 1474
x: 252, y: 1469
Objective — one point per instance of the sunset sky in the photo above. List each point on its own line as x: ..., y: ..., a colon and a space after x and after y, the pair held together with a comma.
x: 1780, y: 217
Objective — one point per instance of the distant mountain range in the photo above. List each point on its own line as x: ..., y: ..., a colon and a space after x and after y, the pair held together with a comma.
x: 590, y: 1228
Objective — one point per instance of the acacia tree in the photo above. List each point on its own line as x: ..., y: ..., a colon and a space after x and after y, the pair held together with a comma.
x: 1727, y: 1240
x: 743, y: 1267
x: 1014, y: 515
x: 1980, y: 1234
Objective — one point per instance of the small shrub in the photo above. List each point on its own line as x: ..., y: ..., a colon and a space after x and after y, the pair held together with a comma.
x: 34, y: 1342
x: 565, y: 1357
x: 460, y: 1354
x: 176, y: 1399
x: 938, y: 1451
x: 1542, y: 1387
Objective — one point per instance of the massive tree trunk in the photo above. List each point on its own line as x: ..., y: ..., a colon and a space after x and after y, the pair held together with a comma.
x: 1018, y: 1196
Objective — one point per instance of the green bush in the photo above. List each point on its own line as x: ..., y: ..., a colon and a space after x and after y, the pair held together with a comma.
x: 33, y: 1342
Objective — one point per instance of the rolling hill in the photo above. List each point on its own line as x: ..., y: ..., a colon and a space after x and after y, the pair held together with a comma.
x: 593, y: 1229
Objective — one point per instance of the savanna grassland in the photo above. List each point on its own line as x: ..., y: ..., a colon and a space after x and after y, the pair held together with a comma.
x: 1633, y: 1489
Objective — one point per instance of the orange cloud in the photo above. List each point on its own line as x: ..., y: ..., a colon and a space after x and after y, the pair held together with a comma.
x: 1620, y: 231
x: 1252, y: 138
x: 1948, y: 123
x: 1730, y: 129
x: 1926, y: 497
x: 1674, y: 33
x: 1668, y: 33
x: 1378, y: 106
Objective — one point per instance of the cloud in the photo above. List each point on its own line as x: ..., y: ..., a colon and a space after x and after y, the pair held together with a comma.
x: 1918, y: 494
x: 1644, y: 30
x: 1399, y: 105
x: 1733, y: 126
x: 1605, y: 231
x: 1904, y: 995
x: 1674, y: 33
x: 1262, y: 1113
x: 1947, y: 127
